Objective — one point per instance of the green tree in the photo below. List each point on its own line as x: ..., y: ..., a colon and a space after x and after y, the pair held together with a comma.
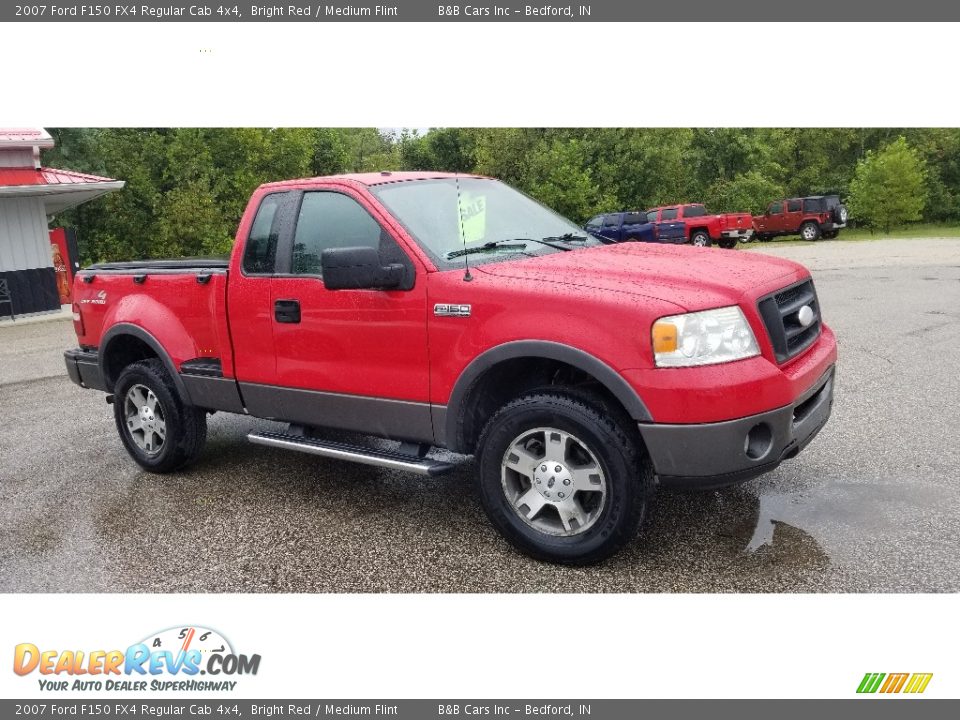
x: 888, y: 187
x: 747, y: 192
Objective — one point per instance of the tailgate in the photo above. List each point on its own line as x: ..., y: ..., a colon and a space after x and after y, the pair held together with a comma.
x: 736, y: 221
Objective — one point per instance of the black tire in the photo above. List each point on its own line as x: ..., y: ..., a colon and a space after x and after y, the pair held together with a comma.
x: 810, y: 231
x: 186, y: 426
x: 727, y: 244
x: 617, y: 450
x: 700, y: 238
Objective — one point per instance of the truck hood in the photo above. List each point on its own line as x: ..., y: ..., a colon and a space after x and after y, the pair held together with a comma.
x: 692, y: 278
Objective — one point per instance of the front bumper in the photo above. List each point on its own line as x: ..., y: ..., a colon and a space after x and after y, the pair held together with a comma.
x: 712, y: 455
x: 83, y: 367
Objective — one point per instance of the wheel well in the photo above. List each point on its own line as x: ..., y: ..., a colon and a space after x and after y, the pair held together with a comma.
x: 694, y: 230
x: 511, y: 378
x: 124, y: 350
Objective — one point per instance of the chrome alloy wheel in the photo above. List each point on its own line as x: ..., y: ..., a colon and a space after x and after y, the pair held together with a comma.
x: 145, y: 419
x: 809, y: 232
x: 553, y: 482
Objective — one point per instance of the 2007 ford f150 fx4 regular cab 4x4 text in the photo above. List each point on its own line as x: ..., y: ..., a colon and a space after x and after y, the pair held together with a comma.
x: 455, y: 312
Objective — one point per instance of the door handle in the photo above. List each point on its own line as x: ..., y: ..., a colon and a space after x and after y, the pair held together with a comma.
x: 286, y: 311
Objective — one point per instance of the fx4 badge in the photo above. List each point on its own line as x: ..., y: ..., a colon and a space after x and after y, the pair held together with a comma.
x: 451, y: 310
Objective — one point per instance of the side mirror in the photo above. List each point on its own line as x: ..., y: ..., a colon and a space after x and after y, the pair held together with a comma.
x: 358, y: 268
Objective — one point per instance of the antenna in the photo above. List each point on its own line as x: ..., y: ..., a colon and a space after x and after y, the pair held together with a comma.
x: 467, y: 277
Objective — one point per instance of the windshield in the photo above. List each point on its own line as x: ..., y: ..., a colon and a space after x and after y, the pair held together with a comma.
x: 489, y: 212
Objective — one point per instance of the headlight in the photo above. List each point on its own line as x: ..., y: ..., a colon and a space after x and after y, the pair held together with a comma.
x: 703, y: 338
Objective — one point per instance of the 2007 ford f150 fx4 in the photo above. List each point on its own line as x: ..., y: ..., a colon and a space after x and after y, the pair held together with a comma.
x: 455, y: 312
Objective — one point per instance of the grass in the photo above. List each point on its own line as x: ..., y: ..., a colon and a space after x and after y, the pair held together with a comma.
x: 924, y: 230
x: 920, y: 230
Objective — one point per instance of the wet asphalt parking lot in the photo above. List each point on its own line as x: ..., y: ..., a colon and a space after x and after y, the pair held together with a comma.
x: 873, y: 504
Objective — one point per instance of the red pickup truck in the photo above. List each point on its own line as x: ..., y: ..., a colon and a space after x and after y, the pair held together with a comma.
x: 704, y: 229
x: 451, y: 311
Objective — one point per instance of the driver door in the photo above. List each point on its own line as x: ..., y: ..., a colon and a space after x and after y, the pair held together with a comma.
x: 350, y: 359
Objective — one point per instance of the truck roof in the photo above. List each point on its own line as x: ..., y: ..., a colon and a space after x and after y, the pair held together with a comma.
x: 375, y: 178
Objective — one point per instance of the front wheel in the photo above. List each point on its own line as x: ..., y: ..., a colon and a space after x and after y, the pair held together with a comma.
x: 810, y: 231
x: 701, y: 238
x: 158, y: 430
x: 562, y: 479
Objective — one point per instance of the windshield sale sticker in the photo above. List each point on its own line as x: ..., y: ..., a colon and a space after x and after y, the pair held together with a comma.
x: 473, y: 216
x: 172, y: 659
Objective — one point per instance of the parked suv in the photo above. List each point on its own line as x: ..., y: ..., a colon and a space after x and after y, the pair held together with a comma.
x: 809, y: 217
x: 451, y: 311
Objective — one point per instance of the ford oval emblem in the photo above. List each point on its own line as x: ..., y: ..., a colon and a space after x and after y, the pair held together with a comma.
x: 805, y: 315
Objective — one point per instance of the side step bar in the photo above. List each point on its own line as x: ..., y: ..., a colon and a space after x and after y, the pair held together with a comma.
x: 353, y: 453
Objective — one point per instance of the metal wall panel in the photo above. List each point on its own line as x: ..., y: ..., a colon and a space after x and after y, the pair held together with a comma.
x: 24, y: 235
x: 17, y: 158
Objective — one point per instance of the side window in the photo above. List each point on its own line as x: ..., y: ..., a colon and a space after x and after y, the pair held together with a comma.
x: 595, y: 223
x: 260, y: 252
x: 634, y: 218
x: 812, y: 205
x: 776, y: 208
x: 668, y: 214
x: 331, y: 220
x: 793, y: 205
x: 690, y: 211
x: 612, y: 221
x: 652, y: 216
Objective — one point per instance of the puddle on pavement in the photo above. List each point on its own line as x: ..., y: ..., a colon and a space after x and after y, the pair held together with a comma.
x: 825, y: 524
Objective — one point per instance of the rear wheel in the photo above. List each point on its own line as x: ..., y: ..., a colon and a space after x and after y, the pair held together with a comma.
x: 562, y: 479
x: 810, y: 231
x: 158, y: 430
x: 700, y: 238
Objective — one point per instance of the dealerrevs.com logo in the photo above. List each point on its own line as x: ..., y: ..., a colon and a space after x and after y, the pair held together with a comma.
x: 172, y: 659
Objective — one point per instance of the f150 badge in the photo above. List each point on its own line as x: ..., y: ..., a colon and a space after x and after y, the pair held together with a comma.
x: 451, y: 310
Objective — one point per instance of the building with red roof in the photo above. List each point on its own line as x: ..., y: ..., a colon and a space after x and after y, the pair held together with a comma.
x: 30, y: 194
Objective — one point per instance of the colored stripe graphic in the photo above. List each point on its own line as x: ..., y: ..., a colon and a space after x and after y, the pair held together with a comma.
x: 895, y: 683
x: 870, y: 682
x: 918, y: 683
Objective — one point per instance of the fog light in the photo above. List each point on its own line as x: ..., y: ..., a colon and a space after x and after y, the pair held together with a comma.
x: 758, y: 441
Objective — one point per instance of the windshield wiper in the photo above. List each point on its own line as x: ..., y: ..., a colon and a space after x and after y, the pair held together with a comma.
x: 567, y: 237
x: 509, y: 244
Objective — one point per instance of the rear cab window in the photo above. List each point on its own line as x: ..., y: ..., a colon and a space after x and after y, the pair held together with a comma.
x: 690, y: 211
x: 634, y: 218
x: 260, y: 252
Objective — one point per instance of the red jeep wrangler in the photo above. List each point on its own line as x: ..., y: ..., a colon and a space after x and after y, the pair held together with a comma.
x: 810, y: 217
x: 704, y: 229
x: 445, y: 311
